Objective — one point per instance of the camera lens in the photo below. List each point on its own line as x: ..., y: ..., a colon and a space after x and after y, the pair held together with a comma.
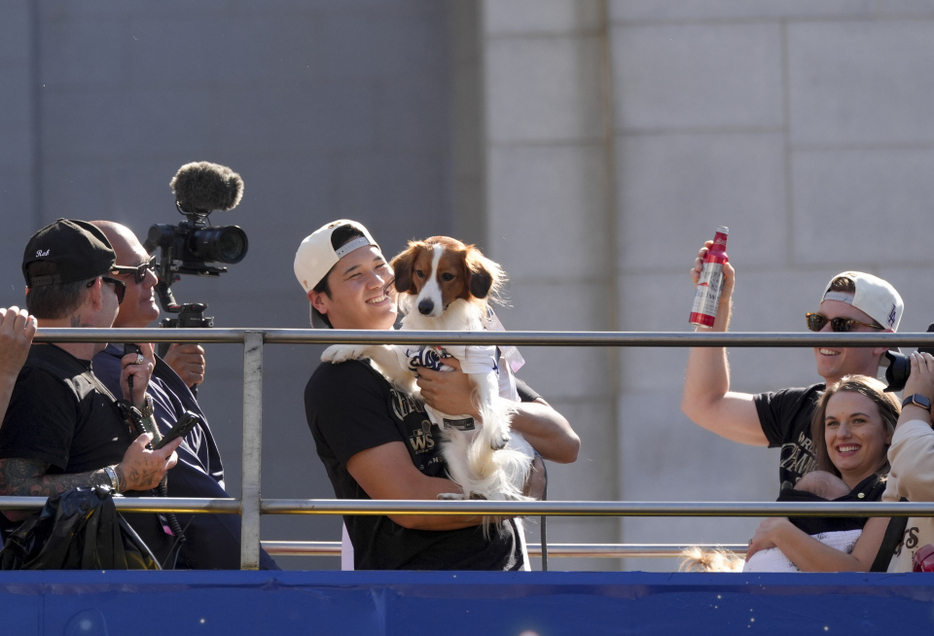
x: 226, y: 244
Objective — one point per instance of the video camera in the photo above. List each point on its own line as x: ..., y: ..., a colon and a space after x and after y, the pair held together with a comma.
x: 193, y: 245
x: 899, y: 366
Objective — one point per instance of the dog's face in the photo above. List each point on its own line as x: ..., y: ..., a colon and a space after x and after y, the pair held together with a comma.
x: 439, y: 270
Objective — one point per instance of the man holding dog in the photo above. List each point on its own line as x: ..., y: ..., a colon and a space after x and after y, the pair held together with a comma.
x: 63, y: 429
x: 852, y: 301
x: 377, y: 442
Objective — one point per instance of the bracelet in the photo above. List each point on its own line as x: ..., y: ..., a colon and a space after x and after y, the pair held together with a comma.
x: 113, y: 477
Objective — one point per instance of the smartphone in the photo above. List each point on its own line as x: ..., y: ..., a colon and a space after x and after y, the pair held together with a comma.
x: 182, y: 427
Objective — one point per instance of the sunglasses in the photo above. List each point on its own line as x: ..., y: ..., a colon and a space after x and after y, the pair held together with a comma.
x: 119, y: 287
x: 816, y: 322
x: 139, y: 272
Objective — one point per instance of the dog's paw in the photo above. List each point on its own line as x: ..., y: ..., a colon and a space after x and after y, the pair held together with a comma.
x: 451, y: 496
x: 341, y: 353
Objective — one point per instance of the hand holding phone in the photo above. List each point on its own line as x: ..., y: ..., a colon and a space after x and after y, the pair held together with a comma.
x: 182, y: 427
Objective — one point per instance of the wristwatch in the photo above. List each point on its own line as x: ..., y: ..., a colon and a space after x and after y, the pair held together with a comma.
x: 918, y: 400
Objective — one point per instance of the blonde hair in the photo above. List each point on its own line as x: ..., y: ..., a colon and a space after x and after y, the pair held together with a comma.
x: 697, y: 559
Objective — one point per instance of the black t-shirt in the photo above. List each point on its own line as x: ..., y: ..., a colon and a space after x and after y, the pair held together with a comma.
x: 785, y: 417
x: 869, y: 489
x: 351, y: 408
x: 61, y: 414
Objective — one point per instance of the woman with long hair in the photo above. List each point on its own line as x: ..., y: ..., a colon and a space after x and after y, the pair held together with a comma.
x: 852, y: 430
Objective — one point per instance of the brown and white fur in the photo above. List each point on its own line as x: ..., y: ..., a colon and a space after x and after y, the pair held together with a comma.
x: 444, y: 285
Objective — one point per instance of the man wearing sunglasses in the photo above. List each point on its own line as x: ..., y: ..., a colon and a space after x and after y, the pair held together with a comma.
x: 851, y: 302
x: 62, y: 428
x: 212, y: 541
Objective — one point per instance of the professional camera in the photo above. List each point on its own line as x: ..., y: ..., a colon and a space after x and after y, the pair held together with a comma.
x: 193, y: 245
x: 899, y: 366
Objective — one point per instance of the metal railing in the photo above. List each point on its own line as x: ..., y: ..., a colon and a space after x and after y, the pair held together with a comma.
x: 251, y: 506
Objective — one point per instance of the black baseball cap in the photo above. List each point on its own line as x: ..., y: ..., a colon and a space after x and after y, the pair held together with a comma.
x: 78, y: 250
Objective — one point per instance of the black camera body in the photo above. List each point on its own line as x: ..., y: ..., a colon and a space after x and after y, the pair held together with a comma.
x: 899, y: 366
x: 189, y: 246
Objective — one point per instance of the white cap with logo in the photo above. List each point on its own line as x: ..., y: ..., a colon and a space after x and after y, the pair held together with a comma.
x: 317, y: 255
x: 873, y: 296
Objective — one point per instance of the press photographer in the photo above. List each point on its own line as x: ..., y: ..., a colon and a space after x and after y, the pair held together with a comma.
x: 898, y: 366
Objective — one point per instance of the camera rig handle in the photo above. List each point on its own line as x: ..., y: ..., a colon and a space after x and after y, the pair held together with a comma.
x: 189, y: 315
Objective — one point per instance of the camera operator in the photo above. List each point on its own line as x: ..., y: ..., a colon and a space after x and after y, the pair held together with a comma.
x: 212, y: 541
x: 911, y: 456
x: 62, y: 428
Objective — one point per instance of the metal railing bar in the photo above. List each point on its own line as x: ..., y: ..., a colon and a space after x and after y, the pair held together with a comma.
x: 524, y: 338
x: 141, y: 504
x: 589, y: 550
x: 519, y: 508
x: 597, y: 508
x: 252, y: 450
x: 251, y: 507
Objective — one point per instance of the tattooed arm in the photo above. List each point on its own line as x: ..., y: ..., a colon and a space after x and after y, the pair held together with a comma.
x: 140, y: 469
x: 28, y: 478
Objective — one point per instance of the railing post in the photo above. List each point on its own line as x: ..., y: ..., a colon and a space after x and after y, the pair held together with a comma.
x: 252, y: 449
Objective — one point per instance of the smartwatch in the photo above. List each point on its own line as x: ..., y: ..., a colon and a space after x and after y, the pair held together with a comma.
x: 918, y: 400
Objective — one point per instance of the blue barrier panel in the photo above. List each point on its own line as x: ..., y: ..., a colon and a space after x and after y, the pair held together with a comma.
x: 407, y: 603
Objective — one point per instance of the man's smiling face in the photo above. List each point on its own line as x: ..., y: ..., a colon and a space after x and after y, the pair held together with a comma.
x: 835, y: 362
x: 361, y: 292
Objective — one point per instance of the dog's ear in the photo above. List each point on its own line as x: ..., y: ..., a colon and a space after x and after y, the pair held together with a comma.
x: 402, y: 266
x: 481, y: 278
